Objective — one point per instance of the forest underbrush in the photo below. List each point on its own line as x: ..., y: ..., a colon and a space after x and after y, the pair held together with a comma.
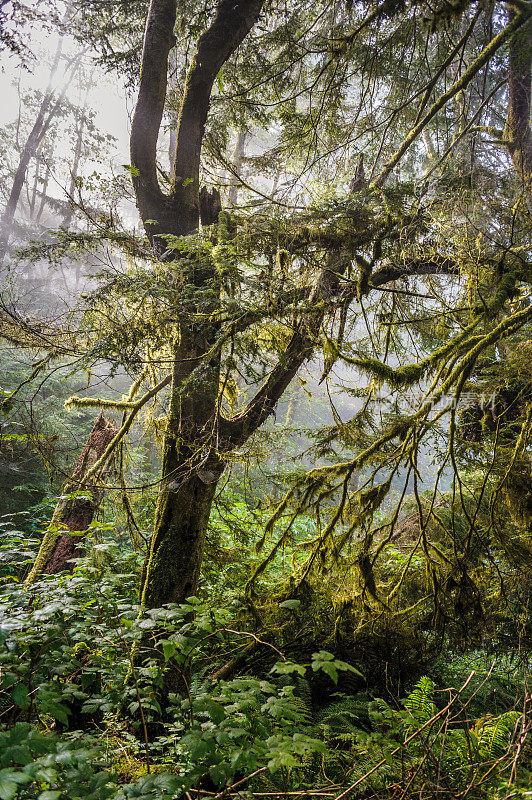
x: 279, y: 704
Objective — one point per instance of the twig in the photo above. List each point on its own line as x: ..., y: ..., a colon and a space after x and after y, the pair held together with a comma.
x: 259, y: 641
x: 239, y: 783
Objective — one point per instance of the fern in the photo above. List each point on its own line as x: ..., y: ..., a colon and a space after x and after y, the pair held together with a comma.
x: 495, y: 734
x: 419, y: 702
x: 345, y: 716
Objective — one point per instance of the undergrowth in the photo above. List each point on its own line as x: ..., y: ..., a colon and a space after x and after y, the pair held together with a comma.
x: 82, y: 674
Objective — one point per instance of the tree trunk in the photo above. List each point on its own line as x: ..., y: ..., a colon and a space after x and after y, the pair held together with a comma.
x: 74, y: 514
x: 80, y: 127
x: 518, y: 132
x: 238, y: 157
x: 30, y: 148
x: 176, y: 550
x: 191, y: 464
x: 191, y: 469
x: 43, y: 193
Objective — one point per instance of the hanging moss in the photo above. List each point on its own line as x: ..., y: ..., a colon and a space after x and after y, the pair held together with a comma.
x: 283, y: 262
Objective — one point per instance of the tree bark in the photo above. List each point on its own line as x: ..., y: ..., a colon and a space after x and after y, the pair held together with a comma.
x: 74, y: 514
x: 238, y: 157
x: 517, y: 132
x: 80, y: 129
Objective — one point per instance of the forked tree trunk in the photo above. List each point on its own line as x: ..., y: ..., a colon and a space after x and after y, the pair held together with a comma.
x: 191, y: 467
x: 76, y: 507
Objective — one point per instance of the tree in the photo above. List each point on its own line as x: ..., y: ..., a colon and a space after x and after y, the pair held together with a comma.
x: 198, y: 434
x: 378, y: 249
x: 47, y: 111
x: 321, y: 262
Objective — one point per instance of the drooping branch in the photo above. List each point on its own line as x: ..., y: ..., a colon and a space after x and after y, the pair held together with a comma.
x: 235, y: 432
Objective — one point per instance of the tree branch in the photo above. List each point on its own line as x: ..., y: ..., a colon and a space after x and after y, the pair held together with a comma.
x: 435, y: 265
x: 158, y: 41
x: 236, y: 431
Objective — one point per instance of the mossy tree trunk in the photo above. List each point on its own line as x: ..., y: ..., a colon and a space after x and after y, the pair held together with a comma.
x: 191, y: 463
x: 518, y: 132
x: 76, y: 508
x: 197, y: 434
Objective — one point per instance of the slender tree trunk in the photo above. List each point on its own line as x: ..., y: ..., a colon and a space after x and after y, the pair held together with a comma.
x: 47, y: 112
x: 74, y: 513
x: 80, y: 129
x: 33, y: 197
x: 238, y: 156
x: 172, y: 144
x: 293, y: 405
x: 43, y: 193
x: 30, y: 148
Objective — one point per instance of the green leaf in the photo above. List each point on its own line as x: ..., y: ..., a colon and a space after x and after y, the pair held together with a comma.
x: 291, y: 604
x: 287, y: 668
x: 329, y: 670
x: 50, y: 795
x: 345, y: 667
x: 169, y: 650
x: 8, y: 788
x: 19, y: 694
x: 131, y: 169
x: 9, y: 782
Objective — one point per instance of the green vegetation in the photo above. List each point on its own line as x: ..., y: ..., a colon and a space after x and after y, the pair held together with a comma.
x: 266, y: 402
